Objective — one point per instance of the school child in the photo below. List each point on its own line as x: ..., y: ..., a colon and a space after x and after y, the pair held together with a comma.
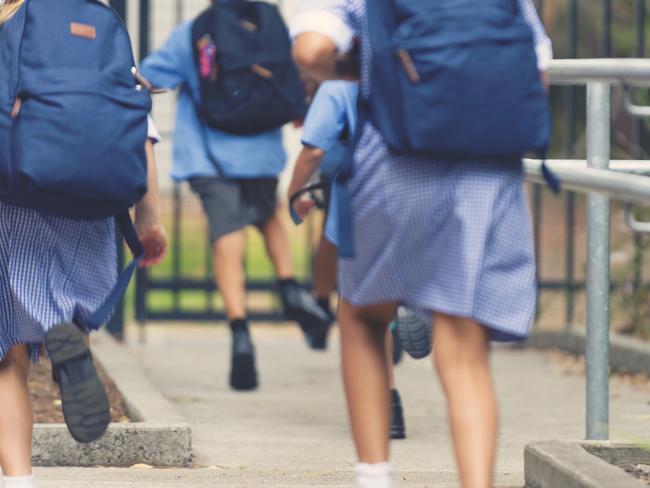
x: 330, y: 121
x: 236, y: 177
x: 325, y: 136
x: 54, y: 272
x: 450, y: 240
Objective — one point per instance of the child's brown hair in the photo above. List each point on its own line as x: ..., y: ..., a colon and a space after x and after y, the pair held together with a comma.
x: 9, y: 8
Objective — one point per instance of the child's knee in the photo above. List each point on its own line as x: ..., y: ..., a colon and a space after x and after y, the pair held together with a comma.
x: 459, y: 343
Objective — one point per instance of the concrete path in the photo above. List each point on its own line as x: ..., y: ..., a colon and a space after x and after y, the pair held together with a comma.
x: 293, y: 431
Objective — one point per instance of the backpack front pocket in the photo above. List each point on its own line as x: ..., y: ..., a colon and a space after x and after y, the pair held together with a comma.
x: 480, y: 100
x: 455, y: 83
x: 83, y: 144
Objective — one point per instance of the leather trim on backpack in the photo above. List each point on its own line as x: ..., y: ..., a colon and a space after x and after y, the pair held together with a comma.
x: 83, y: 30
x: 261, y: 71
x: 15, y: 109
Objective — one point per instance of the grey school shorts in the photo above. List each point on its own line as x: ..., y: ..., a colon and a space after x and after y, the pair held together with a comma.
x: 232, y: 204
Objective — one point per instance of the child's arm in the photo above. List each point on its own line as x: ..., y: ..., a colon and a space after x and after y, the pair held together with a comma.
x: 306, y: 166
x: 543, y: 44
x: 169, y: 66
x: 147, y: 216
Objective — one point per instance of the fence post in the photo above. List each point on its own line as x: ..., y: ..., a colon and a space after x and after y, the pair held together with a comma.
x: 145, y: 14
x: 598, y: 266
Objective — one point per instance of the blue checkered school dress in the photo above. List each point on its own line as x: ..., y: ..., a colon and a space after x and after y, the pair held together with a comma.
x: 444, y: 237
x: 52, y: 270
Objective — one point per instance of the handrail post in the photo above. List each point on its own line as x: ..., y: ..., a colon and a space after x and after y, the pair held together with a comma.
x: 598, y: 265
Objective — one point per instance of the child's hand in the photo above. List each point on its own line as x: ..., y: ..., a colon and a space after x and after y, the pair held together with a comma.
x: 154, y: 240
x: 303, y: 207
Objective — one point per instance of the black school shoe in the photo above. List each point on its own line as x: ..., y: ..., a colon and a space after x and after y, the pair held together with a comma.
x: 85, y: 405
x: 243, y: 375
x: 300, y: 306
x: 398, y: 350
x: 415, y: 334
x: 397, y: 424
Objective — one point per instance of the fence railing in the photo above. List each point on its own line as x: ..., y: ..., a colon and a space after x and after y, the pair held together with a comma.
x: 601, y: 179
x: 619, y: 24
x: 624, y: 181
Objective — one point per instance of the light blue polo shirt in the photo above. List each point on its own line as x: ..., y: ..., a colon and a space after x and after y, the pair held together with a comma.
x: 333, y: 110
x: 195, y: 146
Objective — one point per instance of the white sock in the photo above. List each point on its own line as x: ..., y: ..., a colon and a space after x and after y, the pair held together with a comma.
x: 378, y: 475
x: 19, y: 481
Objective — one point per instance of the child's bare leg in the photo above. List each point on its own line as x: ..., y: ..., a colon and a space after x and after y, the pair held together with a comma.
x: 461, y: 356
x: 325, y: 269
x: 15, y: 414
x: 277, y: 246
x: 365, y: 374
x: 389, y: 362
x: 229, y: 272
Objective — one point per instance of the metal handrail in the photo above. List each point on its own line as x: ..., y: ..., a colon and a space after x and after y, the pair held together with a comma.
x: 638, y: 111
x: 601, y: 180
x: 635, y: 72
x: 625, y: 181
x: 635, y: 224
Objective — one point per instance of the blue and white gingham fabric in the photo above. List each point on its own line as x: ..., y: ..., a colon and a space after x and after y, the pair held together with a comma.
x: 52, y: 270
x: 452, y: 238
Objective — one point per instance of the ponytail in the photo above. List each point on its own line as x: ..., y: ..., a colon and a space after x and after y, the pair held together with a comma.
x: 8, y: 8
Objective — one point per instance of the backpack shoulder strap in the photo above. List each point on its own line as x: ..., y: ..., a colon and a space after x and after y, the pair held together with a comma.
x: 103, y: 313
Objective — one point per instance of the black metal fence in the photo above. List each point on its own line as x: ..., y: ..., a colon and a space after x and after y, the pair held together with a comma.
x: 587, y: 29
x: 579, y: 28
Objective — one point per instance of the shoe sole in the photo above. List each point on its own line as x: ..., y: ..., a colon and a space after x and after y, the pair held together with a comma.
x: 398, y: 435
x: 243, y: 376
x: 315, y: 335
x: 317, y: 341
x: 85, y: 404
x: 415, y: 335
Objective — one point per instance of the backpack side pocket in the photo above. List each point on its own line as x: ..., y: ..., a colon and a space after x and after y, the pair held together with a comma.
x: 6, y: 125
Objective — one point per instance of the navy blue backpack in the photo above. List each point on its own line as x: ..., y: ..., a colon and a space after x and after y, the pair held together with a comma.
x: 73, y: 119
x: 456, y: 79
x: 249, y: 81
x: 451, y: 80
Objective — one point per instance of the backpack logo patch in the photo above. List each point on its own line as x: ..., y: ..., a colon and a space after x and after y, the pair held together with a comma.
x: 86, y: 31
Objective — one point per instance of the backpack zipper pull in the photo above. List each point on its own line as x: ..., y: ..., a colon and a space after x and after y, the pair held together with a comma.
x: 409, y: 66
x: 143, y: 82
x: 261, y: 71
x: 15, y: 109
